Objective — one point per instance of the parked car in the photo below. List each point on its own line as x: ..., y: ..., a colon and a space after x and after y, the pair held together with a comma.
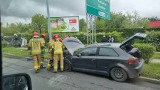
x: 118, y: 60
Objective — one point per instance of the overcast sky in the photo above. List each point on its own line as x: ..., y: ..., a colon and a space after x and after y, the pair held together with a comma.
x: 22, y: 10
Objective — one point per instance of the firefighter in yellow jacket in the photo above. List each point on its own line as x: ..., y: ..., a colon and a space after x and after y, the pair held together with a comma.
x: 42, y: 39
x: 58, y: 53
x: 35, y: 46
x: 50, y: 53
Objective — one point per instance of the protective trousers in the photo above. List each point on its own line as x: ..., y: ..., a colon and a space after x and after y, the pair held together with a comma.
x: 50, y: 62
x: 58, y: 57
x: 42, y: 58
x: 36, y: 60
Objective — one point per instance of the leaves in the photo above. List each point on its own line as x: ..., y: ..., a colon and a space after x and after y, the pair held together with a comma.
x: 39, y: 23
x: 147, y: 51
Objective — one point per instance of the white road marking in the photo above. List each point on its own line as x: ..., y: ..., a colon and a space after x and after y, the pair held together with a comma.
x: 30, y: 69
x: 55, y: 81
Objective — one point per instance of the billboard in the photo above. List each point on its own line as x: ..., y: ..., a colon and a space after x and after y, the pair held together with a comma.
x: 64, y: 24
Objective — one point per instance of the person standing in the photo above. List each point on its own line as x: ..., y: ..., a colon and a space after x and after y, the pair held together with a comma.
x: 104, y: 39
x: 111, y: 39
x: 58, y: 53
x: 35, y: 46
x: 50, y: 53
x: 42, y: 39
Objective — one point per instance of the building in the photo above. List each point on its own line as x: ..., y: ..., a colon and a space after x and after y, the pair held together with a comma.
x: 154, y: 24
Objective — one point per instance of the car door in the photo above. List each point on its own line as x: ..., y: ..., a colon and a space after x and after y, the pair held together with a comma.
x: 85, y: 59
x: 106, y: 57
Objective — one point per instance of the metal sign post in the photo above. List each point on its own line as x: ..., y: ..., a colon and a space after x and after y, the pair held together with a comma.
x: 94, y: 9
x: 91, y: 30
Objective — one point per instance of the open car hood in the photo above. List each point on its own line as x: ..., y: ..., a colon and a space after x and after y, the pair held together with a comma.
x: 132, y: 38
x: 72, y: 44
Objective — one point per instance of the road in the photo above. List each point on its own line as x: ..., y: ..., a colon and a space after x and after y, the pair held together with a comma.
x: 46, y: 80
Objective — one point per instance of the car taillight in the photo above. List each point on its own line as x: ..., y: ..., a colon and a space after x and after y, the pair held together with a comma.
x: 132, y: 60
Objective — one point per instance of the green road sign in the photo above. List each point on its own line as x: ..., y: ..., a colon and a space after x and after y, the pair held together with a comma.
x: 99, y: 8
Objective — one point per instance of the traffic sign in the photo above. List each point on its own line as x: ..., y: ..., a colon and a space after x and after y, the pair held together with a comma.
x: 99, y: 8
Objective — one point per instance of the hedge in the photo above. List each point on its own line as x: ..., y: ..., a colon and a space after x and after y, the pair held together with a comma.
x: 4, y: 44
x: 147, y: 51
x: 130, y: 31
x: 83, y: 36
x: 154, y: 39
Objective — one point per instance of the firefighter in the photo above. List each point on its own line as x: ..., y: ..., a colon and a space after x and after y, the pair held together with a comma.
x: 42, y: 39
x: 58, y: 53
x: 50, y: 53
x: 35, y: 46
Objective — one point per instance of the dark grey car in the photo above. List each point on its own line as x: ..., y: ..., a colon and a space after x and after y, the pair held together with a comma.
x: 118, y: 60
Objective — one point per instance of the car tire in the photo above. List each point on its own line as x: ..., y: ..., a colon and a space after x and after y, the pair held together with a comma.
x: 67, y: 66
x: 118, y: 74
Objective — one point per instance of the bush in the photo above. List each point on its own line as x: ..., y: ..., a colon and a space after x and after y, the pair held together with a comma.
x: 127, y: 32
x: 154, y: 39
x: 4, y: 44
x: 147, y: 51
x: 82, y: 36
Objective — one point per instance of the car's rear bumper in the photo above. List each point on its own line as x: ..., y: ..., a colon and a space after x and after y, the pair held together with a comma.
x: 135, y: 72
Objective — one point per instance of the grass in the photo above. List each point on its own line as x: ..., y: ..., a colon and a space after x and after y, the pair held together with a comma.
x: 15, y: 51
x: 156, y: 55
x: 151, y: 70
x: 18, y: 52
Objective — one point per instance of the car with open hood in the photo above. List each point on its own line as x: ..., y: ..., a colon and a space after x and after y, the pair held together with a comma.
x: 118, y: 60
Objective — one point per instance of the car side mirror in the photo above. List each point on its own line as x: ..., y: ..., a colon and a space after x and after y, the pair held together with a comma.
x: 19, y: 81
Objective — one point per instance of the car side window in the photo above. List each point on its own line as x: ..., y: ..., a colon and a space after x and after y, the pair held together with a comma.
x: 88, y: 52
x: 107, y: 52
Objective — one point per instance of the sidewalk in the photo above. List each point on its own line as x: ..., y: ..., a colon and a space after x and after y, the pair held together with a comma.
x: 155, y: 61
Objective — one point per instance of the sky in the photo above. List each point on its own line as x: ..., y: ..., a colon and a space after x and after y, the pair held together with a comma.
x: 15, y: 11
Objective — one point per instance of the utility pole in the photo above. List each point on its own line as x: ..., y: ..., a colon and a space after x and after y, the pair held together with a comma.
x: 49, y: 28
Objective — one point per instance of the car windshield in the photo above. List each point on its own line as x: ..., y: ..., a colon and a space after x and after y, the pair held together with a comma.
x: 78, y: 44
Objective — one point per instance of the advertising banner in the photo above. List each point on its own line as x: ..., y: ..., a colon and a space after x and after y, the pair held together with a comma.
x: 64, y: 24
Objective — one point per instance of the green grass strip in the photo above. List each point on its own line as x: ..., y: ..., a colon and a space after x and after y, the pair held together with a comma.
x: 151, y: 70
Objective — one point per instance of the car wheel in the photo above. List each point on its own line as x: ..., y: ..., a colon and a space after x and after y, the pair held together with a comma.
x: 67, y: 66
x: 118, y: 74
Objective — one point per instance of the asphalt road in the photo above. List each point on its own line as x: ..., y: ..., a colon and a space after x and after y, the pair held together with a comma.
x: 46, y: 80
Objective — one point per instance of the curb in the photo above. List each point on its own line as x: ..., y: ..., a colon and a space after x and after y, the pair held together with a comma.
x: 151, y: 80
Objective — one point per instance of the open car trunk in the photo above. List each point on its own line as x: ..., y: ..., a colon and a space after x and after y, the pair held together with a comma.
x: 127, y: 44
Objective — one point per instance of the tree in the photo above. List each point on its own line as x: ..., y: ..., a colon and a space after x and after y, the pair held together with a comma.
x: 100, y: 24
x: 153, y: 19
x: 39, y: 22
x: 117, y: 21
x: 130, y: 20
x: 82, y: 25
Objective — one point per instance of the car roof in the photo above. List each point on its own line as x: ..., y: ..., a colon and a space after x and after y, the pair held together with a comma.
x: 113, y: 45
